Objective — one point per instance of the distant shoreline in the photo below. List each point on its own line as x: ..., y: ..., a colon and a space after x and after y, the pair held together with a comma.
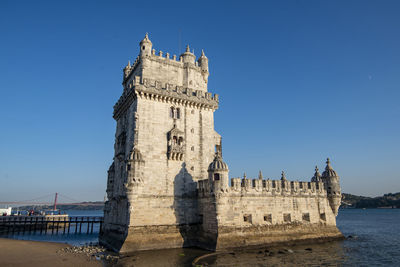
x: 387, y: 201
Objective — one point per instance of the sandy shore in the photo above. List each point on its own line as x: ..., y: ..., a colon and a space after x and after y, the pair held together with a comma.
x: 32, y: 253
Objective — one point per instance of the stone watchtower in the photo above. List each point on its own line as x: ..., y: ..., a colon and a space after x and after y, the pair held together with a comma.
x: 331, y: 181
x: 164, y: 142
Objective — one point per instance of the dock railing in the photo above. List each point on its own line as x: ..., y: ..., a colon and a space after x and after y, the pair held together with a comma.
x: 50, y: 224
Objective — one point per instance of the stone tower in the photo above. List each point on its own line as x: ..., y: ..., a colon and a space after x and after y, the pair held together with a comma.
x: 164, y: 142
x: 332, y: 185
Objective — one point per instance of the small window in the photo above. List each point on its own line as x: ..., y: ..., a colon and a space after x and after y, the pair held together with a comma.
x: 201, y: 218
x: 216, y: 177
x: 306, y: 217
x: 129, y: 167
x: 180, y: 141
x: 192, y: 148
x: 143, y: 47
x: 175, y: 140
x: 172, y: 112
x: 178, y: 113
x: 322, y: 216
x: 192, y: 168
x: 192, y: 130
x: 268, y: 218
x: 192, y: 111
x: 287, y: 218
x: 247, y: 218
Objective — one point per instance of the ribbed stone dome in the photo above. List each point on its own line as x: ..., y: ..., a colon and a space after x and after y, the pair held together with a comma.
x: 317, y: 175
x: 218, y: 164
x: 146, y: 40
x: 135, y: 155
x: 329, y: 171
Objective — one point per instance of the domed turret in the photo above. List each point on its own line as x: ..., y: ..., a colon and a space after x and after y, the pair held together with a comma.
x: 203, y: 63
x: 188, y: 57
x: 217, y: 164
x: 332, y: 186
x: 218, y: 172
x: 135, y: 155
x: 317, y: 175
x: 329, y: 171
x: 145, y: 46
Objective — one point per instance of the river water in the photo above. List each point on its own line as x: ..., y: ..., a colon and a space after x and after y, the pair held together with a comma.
x: 375, y: 238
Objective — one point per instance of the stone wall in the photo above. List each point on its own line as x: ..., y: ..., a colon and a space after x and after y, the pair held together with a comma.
x: 256, y: 211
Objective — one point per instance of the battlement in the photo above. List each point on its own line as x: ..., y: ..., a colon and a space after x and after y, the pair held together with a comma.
x: 160, y: 58
x: 267, y: 187
x: 162, y: 91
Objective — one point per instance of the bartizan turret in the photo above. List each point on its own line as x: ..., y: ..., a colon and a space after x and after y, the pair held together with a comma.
x: 331, y: 181
x: 317, y: 176
x: 218, y: 173
x: 188, y: 57
x: 145, y: 47
x: 203, y: 63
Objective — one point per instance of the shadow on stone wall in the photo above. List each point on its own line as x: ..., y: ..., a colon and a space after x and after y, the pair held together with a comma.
x: 186, y: 206
x: 113, y: 235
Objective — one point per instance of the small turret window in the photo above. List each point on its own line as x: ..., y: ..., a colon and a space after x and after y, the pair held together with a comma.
x: 143, y: 47
x: 175, y: 113
x: 216, y: 177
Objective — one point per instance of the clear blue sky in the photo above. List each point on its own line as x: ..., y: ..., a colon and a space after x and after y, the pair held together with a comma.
x: 298, y: 81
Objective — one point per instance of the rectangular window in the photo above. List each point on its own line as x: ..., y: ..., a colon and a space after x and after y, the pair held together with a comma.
x: 306, y: 217
x: 247, y: 218
x: 322, y: 216
x: 268, y: 218
x: 216, y: 176
x: 287, y: 218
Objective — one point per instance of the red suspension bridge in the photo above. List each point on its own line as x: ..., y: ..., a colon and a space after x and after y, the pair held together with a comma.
x: 50, y: 199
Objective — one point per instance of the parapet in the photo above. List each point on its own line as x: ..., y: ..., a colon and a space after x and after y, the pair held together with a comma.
x: 174, y: 61
x: 162, y: 91
x: 259, y: 186
x: 254, y: 187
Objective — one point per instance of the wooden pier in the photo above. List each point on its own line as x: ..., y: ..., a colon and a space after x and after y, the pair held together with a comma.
x: 50, y: 224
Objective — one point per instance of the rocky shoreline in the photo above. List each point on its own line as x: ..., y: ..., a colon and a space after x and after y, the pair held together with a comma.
x: 93, y: 252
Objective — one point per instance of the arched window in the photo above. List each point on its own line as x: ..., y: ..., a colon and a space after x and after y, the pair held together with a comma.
x: 180, y: 141
x: 172, y: 112
x: 175, y: 140
x: 178, y: 113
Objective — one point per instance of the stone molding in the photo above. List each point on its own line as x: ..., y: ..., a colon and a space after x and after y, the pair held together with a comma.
x: 164, y: 92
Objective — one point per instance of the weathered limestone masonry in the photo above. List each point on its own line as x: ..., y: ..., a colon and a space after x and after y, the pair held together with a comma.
x: 168, y: 185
